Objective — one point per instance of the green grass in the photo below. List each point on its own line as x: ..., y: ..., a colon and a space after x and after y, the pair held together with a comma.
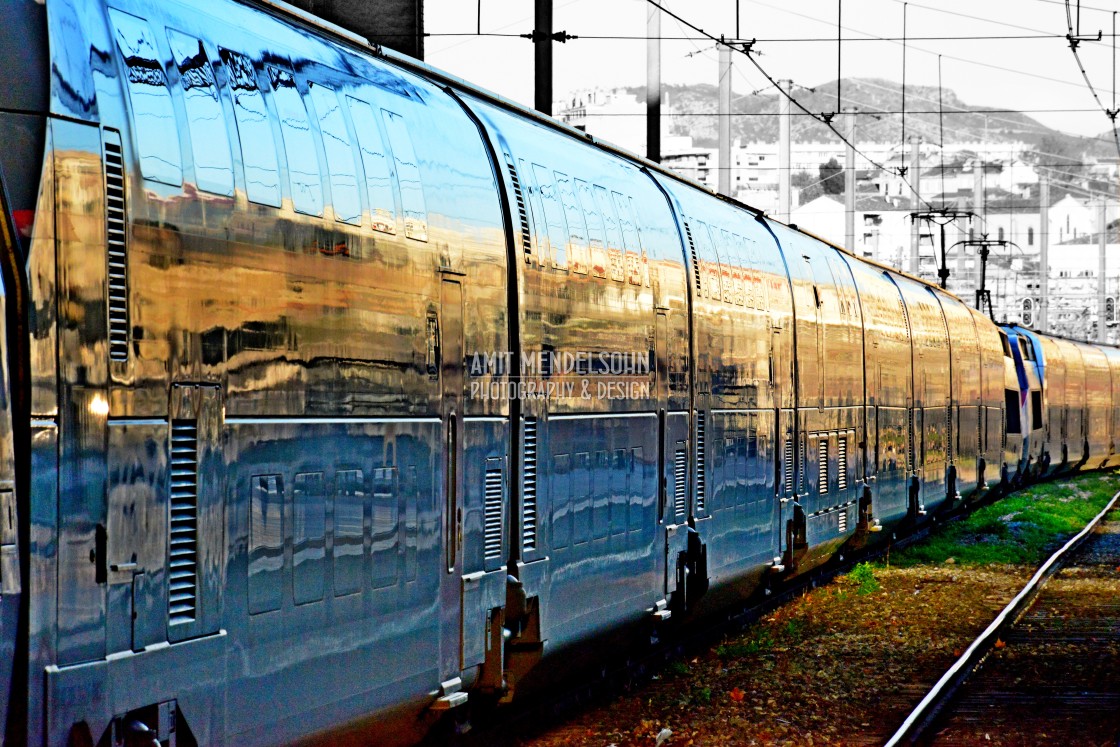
x: 863, y: 578
x: 1023, y: 528
x: 758, y: 642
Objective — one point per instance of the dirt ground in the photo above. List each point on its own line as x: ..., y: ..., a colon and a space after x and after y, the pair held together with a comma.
x: 845, y: 663
x: 839, y: 666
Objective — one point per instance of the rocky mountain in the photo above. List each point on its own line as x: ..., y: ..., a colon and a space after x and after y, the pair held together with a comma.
x: 879, y: 103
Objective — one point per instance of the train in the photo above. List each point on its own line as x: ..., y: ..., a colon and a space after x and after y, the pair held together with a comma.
x: 339, y: 395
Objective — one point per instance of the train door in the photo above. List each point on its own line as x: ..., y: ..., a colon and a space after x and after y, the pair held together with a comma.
x: 450, y: 357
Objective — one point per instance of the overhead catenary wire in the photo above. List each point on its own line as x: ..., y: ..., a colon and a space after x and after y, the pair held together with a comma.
x: 1074, y: 37
x: 793, y: 100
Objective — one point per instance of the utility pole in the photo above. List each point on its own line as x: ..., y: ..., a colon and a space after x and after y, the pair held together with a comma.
x: 915, y: 200
x: 978, y: 196
x: 724, y: 119
x: 542, y: 41
x: 1101, y: 270
x: 653, y: 83
x: 785, y: 164
x: 1044, y: 250
x: 850, y: 183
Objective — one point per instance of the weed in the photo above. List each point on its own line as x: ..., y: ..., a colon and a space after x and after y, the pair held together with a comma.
x: 794, y: 630
x: 702, y: 695
x: 759, y: 641
x: 677, y: 668
x: 863, y: 578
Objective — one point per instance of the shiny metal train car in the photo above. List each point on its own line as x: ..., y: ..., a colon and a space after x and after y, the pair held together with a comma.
x: 338, y: 394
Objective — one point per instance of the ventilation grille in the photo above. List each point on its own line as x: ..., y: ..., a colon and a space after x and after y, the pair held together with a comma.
x: 802, y: 480
x: 492, y: 511
x: 842, y: 520
x: 787, y: 461
x: 522, y: 213
x: 680, y: 477
x: 911, y: 437
x: 183, y: 592
x: 950, y: 433
x: 701, y: 454
x: 115, y: 245
x: 695, y: 259
x: 822, y: 466
x: 529, y: 491
x: 842, y: 463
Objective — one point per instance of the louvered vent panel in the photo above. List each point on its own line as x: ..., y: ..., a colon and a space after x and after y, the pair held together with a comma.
x: 842, y: 463
x: 701, y: 460
x: 680, y: 478
x: 522, y: 212
x: 787, y: 461
x: 529, y: 491
x: 116, y: 249
x: 492, y: 512
x: 822, y: 466
x: 843, y: 520
x: 183, y: 591
x: 802, y: 481
x: 910, y: 437
x: 695, y: 259
x: 950, y: 433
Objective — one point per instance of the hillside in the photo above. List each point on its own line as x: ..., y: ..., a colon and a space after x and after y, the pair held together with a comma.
x: 753, y: 120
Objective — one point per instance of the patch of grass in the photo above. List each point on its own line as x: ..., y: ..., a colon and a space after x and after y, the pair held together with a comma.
x: 678, y: 668
x: 794, y: 630
x: 758, y: 642
x: 1022, y: 528
x: 863, y: 578
x: 702, y: 695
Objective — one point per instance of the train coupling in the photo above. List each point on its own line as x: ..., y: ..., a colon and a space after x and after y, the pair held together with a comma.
x: 451, y: 695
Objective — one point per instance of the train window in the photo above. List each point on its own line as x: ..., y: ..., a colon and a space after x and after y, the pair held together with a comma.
x: 613, y: 235
x: 553, y: 216
x: 577, y: 232
x: 1006, y: 344
x: 561, y: 501
x: 384, y: 520
x: 153, y: 118
x: 636, y: 489
x: 349, y: 516
x: 1012, y: 419
x: 581, y: 498
x: 618, y: 479
x: 266, y: 542
x: 636, y: 270
x: 379, y: 178
x: 600, y: 495
x: 299, y: 144
x: 711, y: 262
x: 340, y: 154
x: 1036, y: 409
x: 408, y: 176
x: 309, y: 533
x: 213, y: 165
x: 596, y: 231
x: 258, y: 149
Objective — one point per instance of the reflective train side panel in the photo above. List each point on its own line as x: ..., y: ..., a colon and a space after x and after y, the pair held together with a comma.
x: 324, y: 433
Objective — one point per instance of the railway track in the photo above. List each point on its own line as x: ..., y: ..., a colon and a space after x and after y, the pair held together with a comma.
x: 1047, y: 670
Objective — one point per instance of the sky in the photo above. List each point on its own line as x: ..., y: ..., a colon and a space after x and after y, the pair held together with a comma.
x: 1003, y: 54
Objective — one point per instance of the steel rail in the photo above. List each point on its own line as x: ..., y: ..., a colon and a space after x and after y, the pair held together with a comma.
x: 926, y: 712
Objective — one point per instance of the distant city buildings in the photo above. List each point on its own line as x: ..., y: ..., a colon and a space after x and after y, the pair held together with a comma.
x: 995, y: 181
